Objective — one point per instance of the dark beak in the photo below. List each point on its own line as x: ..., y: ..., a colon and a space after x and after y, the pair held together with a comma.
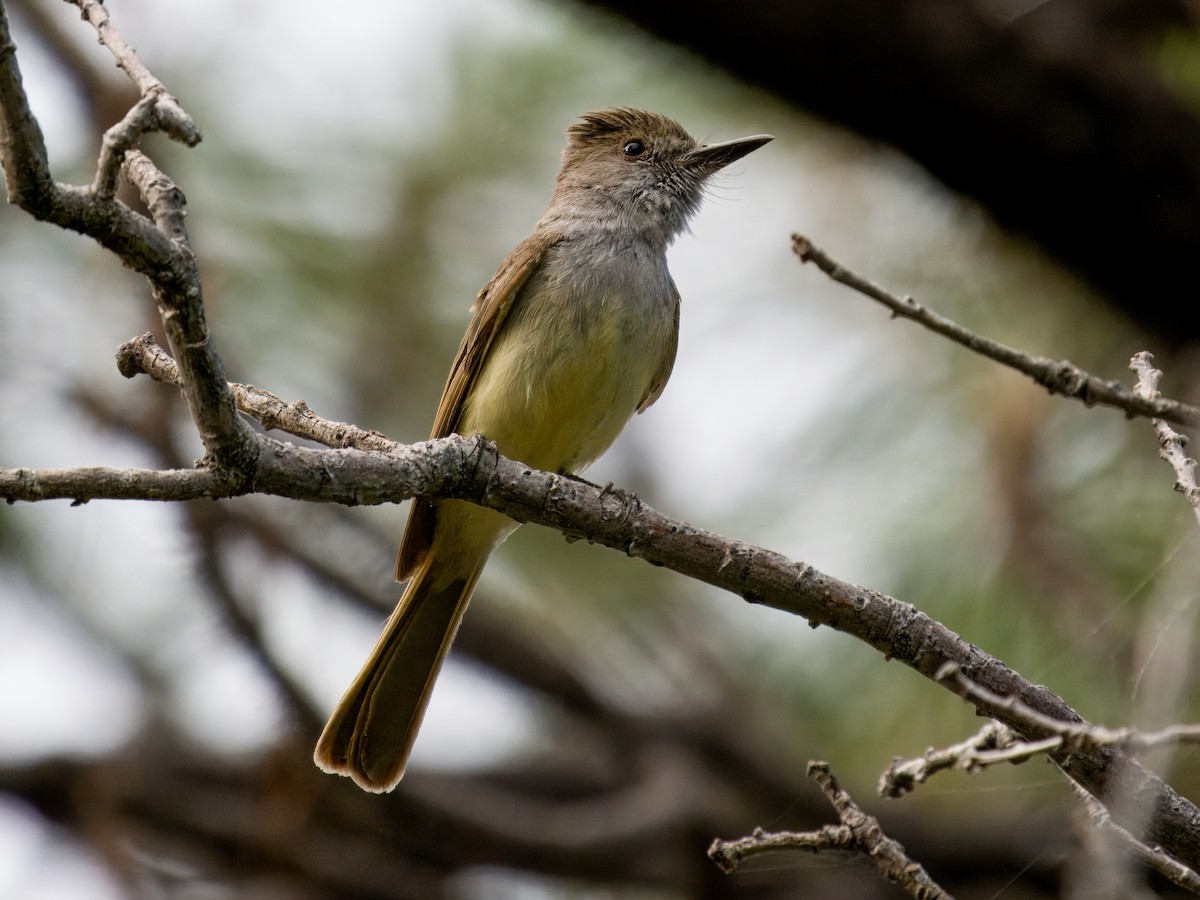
x: 712, y: 157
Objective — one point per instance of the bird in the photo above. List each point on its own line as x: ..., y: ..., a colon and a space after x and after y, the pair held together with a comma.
x: 575, y: 333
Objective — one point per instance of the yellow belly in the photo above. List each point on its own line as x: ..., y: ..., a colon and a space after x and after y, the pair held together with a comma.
x: 558, y: 387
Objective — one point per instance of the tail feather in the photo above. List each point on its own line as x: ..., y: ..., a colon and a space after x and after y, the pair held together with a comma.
x: 370, y: 735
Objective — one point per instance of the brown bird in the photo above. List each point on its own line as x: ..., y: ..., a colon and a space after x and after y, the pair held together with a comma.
x: 575, y: 333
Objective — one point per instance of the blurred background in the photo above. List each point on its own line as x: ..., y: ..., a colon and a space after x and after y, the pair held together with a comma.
x: 1031, y: 169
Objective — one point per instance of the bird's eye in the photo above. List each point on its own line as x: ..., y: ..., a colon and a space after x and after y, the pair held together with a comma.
x: 634, y: 149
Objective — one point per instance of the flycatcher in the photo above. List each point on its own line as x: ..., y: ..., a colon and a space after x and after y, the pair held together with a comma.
x: 575, y: 333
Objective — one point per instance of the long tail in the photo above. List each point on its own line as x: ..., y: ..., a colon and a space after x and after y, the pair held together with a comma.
x: 371, y: 733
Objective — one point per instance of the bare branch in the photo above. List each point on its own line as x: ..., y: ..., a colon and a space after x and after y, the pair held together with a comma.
x: 170, y: 116
x: 163, y: 199
x: 144, y: 116
x: 728, y: 855
x: 859, y: 832
x: 1171, y: 443
x: 1151, y: 857
x: 97, y: 482
x: 158, y: 250
x: 993, y: 743
x: 349, y: 477
x: 887, y: 854
x: 30, y: 185
x: 1057, y: 376
x: 142, y: 355
x: 472, y: 470
x: 1072, y: 736
x: 227, y: 438
x: 22, y: 146
x: 239, y: 461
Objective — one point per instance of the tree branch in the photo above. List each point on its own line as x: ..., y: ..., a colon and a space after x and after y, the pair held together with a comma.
x: 109, y: 222
x: 858, y: 832
x: 227, y: 438
x: 1151, y: 857
x: 156, y: 111
x: 143, y: 356
x: 1057, y: 376
x: 239, y: 461
x: 100, y: 482
x: 993, y: 743
x: 471, y: 469
x: 168, y: 115
x: 22, y: 146
x: 1171, y: 443
x: 1071, y: 736
x: 158, y: 249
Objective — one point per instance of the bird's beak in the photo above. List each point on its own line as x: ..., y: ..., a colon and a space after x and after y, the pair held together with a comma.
x: 711, y: 157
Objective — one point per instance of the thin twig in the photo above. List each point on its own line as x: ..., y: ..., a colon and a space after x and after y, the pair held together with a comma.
x: 1057, y: 376
x: 1171, y: 443
x: 109, y: 222
x: 993, y: 743
x: 171, y: 117
x: 119, y: 140
x: 729, y: 854
x: 858, y: 832
x: 143, y: 356
x: 1153, y: 857
x: 1070, y: 736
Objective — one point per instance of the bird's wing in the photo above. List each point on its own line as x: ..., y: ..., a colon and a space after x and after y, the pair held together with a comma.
x: 491, y: 308
x: 659, y: 381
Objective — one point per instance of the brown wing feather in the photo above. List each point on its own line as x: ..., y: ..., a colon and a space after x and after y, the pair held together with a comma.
x: 491, y: 310
x: 659, y: 382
